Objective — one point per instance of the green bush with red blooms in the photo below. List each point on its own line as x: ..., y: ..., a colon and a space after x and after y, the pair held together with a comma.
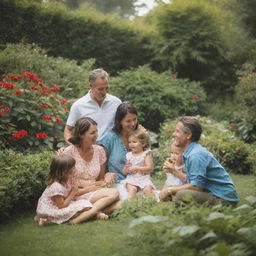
x: 31, y: 113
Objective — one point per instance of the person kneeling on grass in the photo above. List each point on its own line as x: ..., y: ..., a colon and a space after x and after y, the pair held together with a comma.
x: 207, y: 180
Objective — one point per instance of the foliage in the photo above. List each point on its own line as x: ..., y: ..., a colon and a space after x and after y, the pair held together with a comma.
x: 67, y: 74
x: 115, y: 44
x: 21, y: 180
x: 158, y: 96
x: 31, y: 113
x: 234, y: 154
x: 246, y: 97
x: 192, y: 229
x: 191, y: 42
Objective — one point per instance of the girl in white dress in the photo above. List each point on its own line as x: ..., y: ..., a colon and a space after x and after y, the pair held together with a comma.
x: 57, y: 204
x: 139, y: 165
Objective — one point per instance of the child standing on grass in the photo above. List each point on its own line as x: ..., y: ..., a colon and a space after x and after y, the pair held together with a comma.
x: 139, y: 165
x: 173, y: 167
x: 57, y: 204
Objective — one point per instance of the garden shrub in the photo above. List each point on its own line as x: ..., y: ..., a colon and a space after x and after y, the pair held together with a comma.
x: 187, y: 228
x: 115, y: 44
x: 192, y: 42
x: 67, y: 74
x: 234, y: 154
x: 21, y: 180
x: 158, y: 96
x: 31, y: 113
x: 246, y: 98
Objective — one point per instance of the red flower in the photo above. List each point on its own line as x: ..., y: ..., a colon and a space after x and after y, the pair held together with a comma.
x: 44, y: 106
x: 2, y: 112
x: 55, y: 88
x: 4, y: 76
x: 47, y: 118
x: 19, y: 135
x: 65, y: 109
x: 7, y: 85
x: 7, y: 109
x: 64, y: 101
x: 58, y: 121
x: 41, y: 135
x: 34, y: 88
x: 173, y: 75
x: 14, y: 78
x: 32, y: 77
x: 18, y: 92
x: 194, y: 97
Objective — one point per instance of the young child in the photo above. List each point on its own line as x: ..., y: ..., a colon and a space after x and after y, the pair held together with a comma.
x: 174, y: 164
x: 139, y: 165
x: 57, y: 205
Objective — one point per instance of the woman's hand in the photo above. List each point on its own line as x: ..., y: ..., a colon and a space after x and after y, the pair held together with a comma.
x: 110, y: 178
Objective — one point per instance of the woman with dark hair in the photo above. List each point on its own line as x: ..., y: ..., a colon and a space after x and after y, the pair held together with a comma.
x: 116, y: 142
x: 90, y: 170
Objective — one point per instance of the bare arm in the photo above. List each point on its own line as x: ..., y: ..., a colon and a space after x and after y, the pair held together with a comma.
x: 169, y: 168
x: 62, y: 202
x: 68, y: 133
x: 176, y: 189
x: 147, y: 168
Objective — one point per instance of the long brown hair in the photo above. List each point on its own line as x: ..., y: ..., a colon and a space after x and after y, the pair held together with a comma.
x: 60, y: 168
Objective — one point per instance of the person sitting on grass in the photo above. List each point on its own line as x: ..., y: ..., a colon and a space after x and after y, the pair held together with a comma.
x: 207, y: 180
x: 139, y: 165
x: 57, y: 203
x: 173, y: 167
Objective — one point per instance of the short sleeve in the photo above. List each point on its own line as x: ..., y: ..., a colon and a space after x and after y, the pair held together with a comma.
x: 102, y: 155
x: 73, y: 115
x: 56, y: 189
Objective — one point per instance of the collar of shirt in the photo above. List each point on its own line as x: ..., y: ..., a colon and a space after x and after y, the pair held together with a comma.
x: 89, y: 98
x: 189, y: 149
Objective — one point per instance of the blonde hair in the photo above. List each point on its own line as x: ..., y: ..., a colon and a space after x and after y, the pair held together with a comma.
x: 142, y: 136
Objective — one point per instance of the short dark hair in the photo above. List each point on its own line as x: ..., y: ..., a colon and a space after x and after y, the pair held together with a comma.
x: 191, y: 124
x: 122, y: 110
x: 59, y: 169
x: 81, y: 127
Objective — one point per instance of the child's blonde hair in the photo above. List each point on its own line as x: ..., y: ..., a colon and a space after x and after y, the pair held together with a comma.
x: 142, y: 136
x: 59, y: 169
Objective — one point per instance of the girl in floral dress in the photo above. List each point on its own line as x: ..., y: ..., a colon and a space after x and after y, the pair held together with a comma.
x: 139, y: 165
x: 57, y: 204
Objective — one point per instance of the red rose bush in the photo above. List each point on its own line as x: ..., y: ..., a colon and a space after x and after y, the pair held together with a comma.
x: 31, y: 113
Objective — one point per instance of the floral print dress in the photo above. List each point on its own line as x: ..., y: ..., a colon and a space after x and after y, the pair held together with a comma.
x: 46, y: 208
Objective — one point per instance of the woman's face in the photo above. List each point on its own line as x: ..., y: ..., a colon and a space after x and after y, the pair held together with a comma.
x: 129, y: 122
x: 91, y: 135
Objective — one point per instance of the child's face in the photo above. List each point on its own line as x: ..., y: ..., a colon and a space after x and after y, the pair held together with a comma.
x: 135, y: 145
x: 176, y: 154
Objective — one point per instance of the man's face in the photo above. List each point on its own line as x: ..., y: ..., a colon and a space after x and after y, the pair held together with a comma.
x: 99, y: 90
x: 182, y: 139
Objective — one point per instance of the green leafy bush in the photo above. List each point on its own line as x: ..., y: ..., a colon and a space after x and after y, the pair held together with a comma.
x: 115, y: 44
x: 21, y: 180
x: 246, y: 97
x: 31, y: 113
x: 234, y: 154
x: 67, y: 74
x: 158, y: 96
x: 186, y: 228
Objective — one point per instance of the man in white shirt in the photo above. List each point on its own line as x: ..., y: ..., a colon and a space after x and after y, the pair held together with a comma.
x: 97, y: 104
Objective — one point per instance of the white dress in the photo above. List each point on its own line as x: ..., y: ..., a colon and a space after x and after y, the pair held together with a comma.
x: 138, y: 179
x: 47, y: 208
x: 173, y: 180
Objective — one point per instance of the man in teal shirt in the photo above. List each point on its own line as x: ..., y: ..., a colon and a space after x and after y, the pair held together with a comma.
x: 207, y: 180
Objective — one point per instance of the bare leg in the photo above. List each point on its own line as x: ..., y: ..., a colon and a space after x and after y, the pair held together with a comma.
x: 148, y: 191
x: 103, y: 198
x: 164, y: 195
x: 113, y: 207
x: 132, y: 191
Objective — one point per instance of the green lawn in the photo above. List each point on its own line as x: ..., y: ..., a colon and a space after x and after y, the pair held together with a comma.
x: 23, y: 237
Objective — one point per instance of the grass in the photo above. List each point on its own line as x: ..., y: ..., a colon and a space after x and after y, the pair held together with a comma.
x: 22, y: 236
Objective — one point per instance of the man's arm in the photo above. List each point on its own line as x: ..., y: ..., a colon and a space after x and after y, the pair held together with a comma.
x: 68, y: 133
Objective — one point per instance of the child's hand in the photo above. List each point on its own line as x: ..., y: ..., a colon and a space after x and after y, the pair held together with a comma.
x: 132, y: 169
x: 74, y: 190
x: 168, y: 166
x: 110, y: 178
